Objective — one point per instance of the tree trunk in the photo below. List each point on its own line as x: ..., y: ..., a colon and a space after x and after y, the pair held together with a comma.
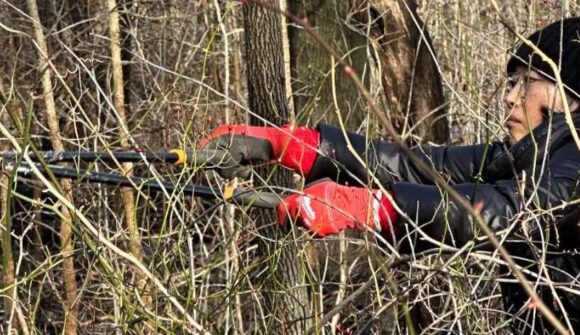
x: 70, y: 305
x: 410, y: 78
x: 311, y: 64
x: 411, y: 82
x: 285, y: 295
x: 407, y: 77
x: 120, y: 77
x: 7, y: 271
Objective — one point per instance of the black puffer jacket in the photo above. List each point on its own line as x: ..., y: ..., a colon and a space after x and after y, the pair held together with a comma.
x: 505, y: 179
x: 490, y: 174
x: 562, y: 259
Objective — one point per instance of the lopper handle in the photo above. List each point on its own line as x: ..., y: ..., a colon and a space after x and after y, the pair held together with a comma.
x: 243, y: 197
x: 255, y: 198
x: 210, y: 158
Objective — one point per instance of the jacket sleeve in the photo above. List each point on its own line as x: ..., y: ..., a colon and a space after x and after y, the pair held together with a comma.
x: 458, y: 164
x: 443, y: 220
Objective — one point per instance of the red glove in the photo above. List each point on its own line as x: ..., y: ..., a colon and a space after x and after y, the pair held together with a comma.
x: 328, y: 208
x: 296, y: 149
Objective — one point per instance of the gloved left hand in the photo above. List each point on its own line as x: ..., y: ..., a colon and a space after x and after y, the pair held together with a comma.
x: 294, y: 148
x: 328, y: 208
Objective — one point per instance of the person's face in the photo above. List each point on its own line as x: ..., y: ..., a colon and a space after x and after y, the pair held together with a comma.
x: 529, y: 95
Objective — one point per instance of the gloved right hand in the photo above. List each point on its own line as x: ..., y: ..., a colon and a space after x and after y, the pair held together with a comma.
x: 328, y: 208
x: 292, y: 148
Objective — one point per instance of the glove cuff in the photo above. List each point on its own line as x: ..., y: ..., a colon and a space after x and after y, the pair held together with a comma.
x: 298, y: 151
x: 384, y: 214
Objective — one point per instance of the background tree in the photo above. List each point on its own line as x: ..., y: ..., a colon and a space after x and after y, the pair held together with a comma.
x: 410, y: 77
x: 70, y: 303
x: 120, y: 79
x: 382, y: 37
x: 388, y: 45
x: 311, y: 64
x: 289, y: 311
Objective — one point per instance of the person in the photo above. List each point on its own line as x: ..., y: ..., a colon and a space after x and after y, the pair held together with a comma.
x: 536, y: 170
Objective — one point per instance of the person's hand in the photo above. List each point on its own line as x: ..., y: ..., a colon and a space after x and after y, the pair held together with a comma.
x: 293, y: 148
x: 328, y: 208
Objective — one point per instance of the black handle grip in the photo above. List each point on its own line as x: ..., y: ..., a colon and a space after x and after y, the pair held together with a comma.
x: 212, y: 158
x: 256, y: 198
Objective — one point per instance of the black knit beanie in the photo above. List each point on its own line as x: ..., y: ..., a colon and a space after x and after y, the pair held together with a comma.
x: 560, y: 41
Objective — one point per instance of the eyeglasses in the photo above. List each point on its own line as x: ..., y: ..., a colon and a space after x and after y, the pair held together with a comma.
x: 524, y: 80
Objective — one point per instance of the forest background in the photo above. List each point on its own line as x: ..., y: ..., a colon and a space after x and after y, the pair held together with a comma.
x: 80, y: 258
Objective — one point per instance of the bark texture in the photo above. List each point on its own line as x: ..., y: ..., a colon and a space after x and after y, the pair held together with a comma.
x: 66, y: 236
x: 285, y: 295
x: 127, y: 194
x: 311, y: 64
x: 410, y: 79
x: 381, y: 34
x: 411, y: 82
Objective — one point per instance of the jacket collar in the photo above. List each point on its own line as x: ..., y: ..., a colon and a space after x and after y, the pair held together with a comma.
x: 531, y: 148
